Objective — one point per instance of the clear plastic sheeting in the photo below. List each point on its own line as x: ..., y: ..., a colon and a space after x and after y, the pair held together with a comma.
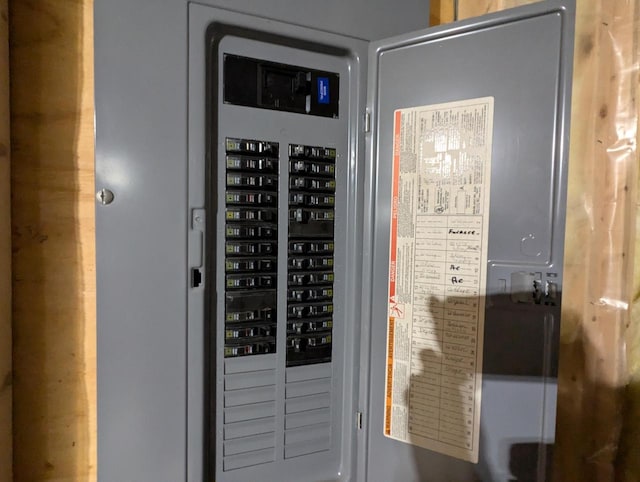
x: 594, y: 422
x: 598, y: 423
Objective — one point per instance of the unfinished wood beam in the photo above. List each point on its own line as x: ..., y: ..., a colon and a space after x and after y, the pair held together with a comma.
x: 628, y: 462
x: 441, y: 11
x: 474, y: 8
x: 53, y: 235
x: 598, y: 247
x: 5, y: 254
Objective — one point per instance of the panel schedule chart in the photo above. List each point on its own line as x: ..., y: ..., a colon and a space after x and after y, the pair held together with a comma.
x: 439, y: 233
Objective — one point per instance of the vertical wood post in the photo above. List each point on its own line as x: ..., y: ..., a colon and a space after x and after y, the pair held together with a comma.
x: 5, y: 255
x: 441, y: 11
x: 53, y: 240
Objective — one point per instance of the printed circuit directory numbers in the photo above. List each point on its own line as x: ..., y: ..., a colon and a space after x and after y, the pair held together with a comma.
x: 437, y: 275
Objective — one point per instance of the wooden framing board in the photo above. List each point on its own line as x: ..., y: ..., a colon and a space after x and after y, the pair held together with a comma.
x: 5, y: 254
x: 629, y: 459
x: 441, y: 11
x: 53, y: 240
x: 475, y: 8
x: 600, y: 226
x: 601, y: 206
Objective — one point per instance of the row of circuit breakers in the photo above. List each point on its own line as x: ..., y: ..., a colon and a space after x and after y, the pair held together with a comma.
x: 251, y: 232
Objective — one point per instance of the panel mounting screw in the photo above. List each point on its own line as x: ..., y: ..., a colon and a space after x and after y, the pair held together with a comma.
x: 104, y: 196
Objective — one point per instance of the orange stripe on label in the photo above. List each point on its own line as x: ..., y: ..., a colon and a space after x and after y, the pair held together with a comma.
x: 394, y: 204
x: 392, y: 267
x: 389, y: 401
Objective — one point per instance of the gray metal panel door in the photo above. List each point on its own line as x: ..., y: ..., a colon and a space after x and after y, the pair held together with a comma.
x: 521, y: 58
x: 141, y: 239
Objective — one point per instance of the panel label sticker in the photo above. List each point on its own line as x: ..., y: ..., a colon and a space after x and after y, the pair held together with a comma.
x: 437, y: 275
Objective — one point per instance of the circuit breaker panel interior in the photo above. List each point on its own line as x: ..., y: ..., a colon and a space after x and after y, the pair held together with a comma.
x: 278, y: 176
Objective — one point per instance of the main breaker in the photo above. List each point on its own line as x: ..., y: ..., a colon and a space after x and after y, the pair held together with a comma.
x: 323, y: 254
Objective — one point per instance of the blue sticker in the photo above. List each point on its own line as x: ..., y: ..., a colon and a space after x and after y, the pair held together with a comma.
x: 323, y: 90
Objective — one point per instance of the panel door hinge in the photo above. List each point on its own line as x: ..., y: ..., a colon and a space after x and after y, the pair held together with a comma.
x: 359, y: 420
x: 367, y: 121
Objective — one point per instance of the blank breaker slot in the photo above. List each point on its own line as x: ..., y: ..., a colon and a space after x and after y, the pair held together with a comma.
x: 248, y: 459
x: 252, y: 411
x: 250, y: 380
x: 307, y: 448
x: 311, y: 387
x: 310, y: 417
x: 319, y: 432
x: 248, y: 444
x: 246, y: 396
x: 304, y: 404
x: 249, y: 426
x: 307, y: 410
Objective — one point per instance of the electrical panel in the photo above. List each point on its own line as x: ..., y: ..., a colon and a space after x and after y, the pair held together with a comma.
x: 352, y: 250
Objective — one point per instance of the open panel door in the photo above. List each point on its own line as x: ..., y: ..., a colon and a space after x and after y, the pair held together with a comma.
x: 468, y: 149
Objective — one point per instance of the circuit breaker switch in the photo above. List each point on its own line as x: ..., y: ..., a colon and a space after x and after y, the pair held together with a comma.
x: 296, y: 343
x: 298, y: 166
x: 297, y: 198
x: 297, y: 311
x: 320, y: 340
x: 296, y: 150
x: 299, y: 215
